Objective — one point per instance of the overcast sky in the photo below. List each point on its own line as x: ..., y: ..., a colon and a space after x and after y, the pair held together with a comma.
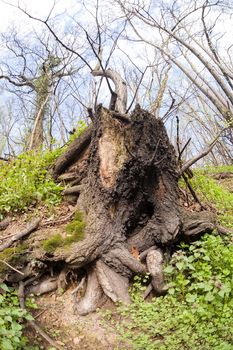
x: 10, y: 14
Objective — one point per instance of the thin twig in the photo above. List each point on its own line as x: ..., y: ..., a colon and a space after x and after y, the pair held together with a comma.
x: 5, y: 237
x: 79, y: 286
x: 13, y: 268
x: 192, y: 191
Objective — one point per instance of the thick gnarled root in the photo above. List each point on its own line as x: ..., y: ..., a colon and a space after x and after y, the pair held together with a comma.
x: 154, y: 261
x: 94, y: 295
x: 113, y: 284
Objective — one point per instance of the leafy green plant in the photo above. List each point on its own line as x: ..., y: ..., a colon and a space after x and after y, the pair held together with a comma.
x: 81, y: 127
x: 196, y: 313
x: 11, y: 321
x: 25, y: 181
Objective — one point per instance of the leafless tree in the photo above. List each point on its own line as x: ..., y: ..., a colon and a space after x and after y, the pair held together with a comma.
x: 34, y: 70
x: 188, y: 36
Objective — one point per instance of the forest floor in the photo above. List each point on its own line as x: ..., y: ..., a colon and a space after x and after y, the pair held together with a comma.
x: 73, y: 332
x: 55, y: 310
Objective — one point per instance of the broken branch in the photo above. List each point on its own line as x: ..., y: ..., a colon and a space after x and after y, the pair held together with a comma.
x: 31, y: 227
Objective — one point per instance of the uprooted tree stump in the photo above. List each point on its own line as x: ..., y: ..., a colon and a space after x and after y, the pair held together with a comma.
x: 123, y: 173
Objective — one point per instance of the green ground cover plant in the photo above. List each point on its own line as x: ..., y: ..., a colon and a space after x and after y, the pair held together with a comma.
x: 25, y: 182
x: 214, y: 193
x: 197, y: 312
x: 12, y: 319
x: 81, y: 127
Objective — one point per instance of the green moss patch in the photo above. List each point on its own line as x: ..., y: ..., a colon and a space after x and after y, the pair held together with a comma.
x: 50, y: 245
x: 75, y: 232
x: 75, y: 229
x: 11, y: 256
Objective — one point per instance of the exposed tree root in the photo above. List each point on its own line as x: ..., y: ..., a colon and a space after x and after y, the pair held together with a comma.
x: 46, y: 285
x: 77, y: 147
x: 114, y: 285
x: 73, y: 190
x: 154, y: 261
x: 4, y: 223
x: 94, y: 295
x: 30, y: 228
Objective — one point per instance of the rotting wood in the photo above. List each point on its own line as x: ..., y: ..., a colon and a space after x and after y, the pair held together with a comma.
x: 33, y: 225
x: 128, y: 202
x: 73, y: 152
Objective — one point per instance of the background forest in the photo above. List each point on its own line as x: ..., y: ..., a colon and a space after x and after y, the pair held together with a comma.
x: 175, y: 57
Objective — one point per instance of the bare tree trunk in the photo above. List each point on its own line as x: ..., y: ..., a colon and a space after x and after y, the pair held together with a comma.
x: 37, y: 136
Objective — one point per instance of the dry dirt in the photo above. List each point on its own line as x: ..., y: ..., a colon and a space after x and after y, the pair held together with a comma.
x: 73, y: 332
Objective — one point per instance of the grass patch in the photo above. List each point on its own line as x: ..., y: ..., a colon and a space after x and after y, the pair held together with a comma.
x: 216, y: 170
x: 215, y: 194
